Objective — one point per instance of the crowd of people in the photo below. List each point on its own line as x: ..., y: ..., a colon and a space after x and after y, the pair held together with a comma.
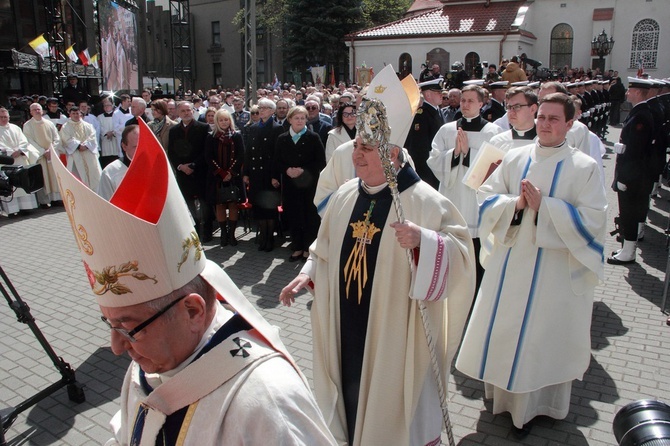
x: 506, y: 268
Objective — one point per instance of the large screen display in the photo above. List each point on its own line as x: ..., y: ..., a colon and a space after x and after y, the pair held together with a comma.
x: 118, y: 47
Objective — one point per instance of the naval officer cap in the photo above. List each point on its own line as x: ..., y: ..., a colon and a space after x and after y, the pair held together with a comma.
x: 520, y: 84
x: 477, y: 82
x: 433, y: 84
x: 636, y: 82
x: 499, y: 85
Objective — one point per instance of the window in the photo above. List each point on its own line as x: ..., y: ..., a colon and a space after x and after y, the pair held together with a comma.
x: 644, y: 47
x: 438, y: 56
x: 218, y: 73
x: 472, y: 65
x: 216, y: 33
x: 561, y: 46
x: 405, y: 64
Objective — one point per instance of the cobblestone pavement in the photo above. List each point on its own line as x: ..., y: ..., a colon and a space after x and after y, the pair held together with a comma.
x: 630, y: 346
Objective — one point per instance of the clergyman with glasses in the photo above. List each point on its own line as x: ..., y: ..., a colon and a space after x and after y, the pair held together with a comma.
x: 206, y: 368
x: 521, y: 106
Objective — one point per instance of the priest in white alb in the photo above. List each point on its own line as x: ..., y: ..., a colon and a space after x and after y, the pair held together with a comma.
x: 14, y: 143
x: 454, y: 147
x: 80, y: 142
x: 43, y: 136
x: 529, y: 334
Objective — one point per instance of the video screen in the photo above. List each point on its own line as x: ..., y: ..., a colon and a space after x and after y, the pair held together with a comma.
x: 118, y: 47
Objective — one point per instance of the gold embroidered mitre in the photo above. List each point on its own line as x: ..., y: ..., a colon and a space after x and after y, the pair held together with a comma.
x: 140, y: 245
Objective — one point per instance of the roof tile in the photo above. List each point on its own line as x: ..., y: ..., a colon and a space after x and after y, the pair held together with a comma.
x: 451, y: 19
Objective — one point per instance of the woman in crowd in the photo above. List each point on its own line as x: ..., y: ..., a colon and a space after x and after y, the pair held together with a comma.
x: 209, y: 118
x: 344, y: 132
x: 260, y: 146
x: 299, y: 157
x: 161, y: 123
x: 224, y: 154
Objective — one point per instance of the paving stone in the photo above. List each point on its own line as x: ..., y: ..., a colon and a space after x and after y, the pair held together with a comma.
x: 629, y: 336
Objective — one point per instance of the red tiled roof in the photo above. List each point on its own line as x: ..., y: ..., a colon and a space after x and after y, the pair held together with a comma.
x: 603, y: 14
x: 451, y: 19
x: 422, y: 5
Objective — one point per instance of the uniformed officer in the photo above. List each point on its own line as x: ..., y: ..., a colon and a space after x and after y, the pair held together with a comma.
x: 496, y: 108
x: 632, y: 176
x: 427, y: 121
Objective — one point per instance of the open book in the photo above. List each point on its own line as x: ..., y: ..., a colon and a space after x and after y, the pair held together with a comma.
x: 487, y: 160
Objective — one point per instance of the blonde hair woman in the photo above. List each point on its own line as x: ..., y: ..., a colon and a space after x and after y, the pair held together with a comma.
x: 224, y: 155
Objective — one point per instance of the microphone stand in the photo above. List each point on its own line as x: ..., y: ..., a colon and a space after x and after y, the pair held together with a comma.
x: 75, y: 390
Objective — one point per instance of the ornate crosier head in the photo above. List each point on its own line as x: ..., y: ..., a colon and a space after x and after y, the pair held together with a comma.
x: 371, y: 123
x: 373, y: 128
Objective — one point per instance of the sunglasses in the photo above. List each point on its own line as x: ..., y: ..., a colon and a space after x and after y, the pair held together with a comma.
x: 312, y: 107
x: 254, y: 113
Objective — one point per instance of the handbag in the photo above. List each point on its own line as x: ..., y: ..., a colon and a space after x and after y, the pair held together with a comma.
x: 227, y: 192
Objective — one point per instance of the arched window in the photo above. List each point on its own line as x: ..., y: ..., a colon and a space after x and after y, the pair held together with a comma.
x: 405, y: 65
x: 644, y: 47
x: 472, y: 63
x: 438, y: 56
x: 561, y: 46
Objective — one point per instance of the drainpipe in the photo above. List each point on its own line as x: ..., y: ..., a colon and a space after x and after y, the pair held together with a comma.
x: 352, y: 67
x: 500, y: 49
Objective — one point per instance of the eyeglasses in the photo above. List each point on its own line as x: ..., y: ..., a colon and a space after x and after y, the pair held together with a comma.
x: 254, y: 113
x: 349, y: 115
x: 515, y: 108
x: 312, y: 107
x: 130, y: 335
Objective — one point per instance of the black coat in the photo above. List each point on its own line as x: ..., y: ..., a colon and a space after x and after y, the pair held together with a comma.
x: 188, y: 147
x: 633, y: 166
x: 258, y: 156
x: 298, y: 193
x: 228, y: 158
x: 427, y: 121
x: 308, y: 153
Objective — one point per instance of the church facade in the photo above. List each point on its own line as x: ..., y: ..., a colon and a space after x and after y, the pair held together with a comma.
x: 554, y: 32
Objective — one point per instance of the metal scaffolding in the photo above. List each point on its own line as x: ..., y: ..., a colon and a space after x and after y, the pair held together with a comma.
x: 56, y: 38
x: 250, y: 48
x: 182, y: 51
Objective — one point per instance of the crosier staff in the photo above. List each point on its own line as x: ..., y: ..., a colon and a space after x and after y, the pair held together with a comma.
x: 373, y: 128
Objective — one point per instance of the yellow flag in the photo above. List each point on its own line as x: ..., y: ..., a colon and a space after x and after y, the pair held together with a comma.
x: 40, y: 45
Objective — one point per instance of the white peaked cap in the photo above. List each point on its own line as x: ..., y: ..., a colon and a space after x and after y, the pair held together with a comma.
x: 140, y: 245
x: 401, y: 99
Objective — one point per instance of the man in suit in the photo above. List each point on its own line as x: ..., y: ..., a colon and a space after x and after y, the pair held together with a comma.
x: 427, y: 122
x: 186, y: 152
x: 281, y: 112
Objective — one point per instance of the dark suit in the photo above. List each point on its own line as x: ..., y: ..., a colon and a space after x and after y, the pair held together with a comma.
x: 633, y: 169
x: 321, y: 128
x: 187, y: 146
x: 495, y: 111
x: 427, y: 121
